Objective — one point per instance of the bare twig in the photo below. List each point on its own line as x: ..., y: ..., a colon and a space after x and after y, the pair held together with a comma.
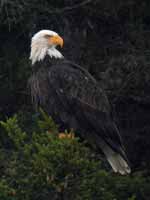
x: 68, y: 8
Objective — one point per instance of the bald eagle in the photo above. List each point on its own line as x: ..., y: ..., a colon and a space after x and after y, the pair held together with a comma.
x: 74, y: 99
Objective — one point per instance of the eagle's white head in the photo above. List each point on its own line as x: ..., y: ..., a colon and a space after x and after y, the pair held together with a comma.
x: 44, y: 43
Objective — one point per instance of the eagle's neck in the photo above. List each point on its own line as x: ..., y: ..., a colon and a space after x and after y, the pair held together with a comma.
x: 54, y: 53
x: 38, y: 53
x: 47, y: 62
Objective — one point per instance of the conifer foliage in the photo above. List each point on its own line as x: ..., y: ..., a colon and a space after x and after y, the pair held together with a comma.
x: 38, y: 164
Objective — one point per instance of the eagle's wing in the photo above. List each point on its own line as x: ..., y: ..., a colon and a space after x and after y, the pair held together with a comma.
x: 79, y: 92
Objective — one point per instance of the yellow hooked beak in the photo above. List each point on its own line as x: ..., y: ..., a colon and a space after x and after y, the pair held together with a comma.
x: 56, y: 40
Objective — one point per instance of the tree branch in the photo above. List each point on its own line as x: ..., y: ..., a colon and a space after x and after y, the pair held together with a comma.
x: 68, y: 8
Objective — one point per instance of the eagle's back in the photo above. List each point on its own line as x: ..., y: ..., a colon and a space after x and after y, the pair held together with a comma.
x: 74, y: 99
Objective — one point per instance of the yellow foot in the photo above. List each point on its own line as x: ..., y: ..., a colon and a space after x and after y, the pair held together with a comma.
x: 66, y: 135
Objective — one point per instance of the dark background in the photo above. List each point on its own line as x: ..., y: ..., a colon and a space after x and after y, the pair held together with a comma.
x: 109, y: 38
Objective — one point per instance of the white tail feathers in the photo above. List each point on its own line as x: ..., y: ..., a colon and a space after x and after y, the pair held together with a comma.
x: 117, y: 162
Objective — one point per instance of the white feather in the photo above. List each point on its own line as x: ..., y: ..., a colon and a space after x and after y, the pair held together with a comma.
x: 52, y: 52
x: 117, y: 162
x: 40, y: 47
